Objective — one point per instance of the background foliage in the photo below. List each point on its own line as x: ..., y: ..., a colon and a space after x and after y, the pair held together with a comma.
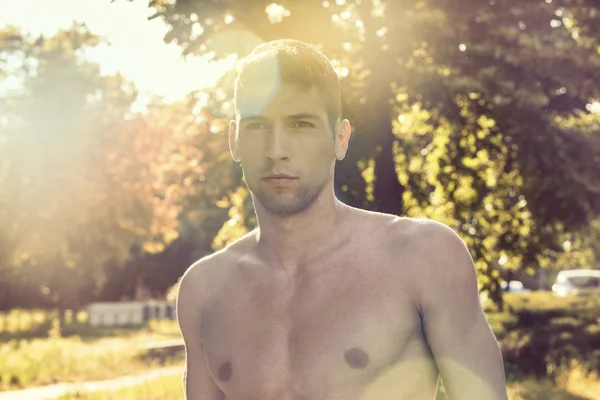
x: 477, y: 114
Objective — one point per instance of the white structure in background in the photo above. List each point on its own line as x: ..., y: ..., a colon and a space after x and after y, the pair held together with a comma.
x: 576, y: 280
x: 129, y: 313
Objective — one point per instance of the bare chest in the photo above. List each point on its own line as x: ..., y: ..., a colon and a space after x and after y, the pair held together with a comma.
x: 330, y: 327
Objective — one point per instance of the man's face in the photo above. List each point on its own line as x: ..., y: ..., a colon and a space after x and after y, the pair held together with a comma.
x: 285, y: 146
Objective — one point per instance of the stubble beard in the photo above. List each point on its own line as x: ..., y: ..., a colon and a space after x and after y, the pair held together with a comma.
x: 286, y: 204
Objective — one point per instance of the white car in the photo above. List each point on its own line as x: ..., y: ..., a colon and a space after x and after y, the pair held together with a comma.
x: 513, y: 287
x: 576, y: 280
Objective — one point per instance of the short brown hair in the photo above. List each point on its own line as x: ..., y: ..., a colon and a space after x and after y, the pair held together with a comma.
x: 297, y: 63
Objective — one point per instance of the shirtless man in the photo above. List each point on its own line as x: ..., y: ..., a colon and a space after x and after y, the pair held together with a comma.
x: 325, y: 301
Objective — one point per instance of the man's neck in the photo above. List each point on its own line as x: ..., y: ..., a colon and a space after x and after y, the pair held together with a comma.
x: 292, y: 241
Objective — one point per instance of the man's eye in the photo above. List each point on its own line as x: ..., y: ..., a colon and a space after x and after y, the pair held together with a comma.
x: 302, y: 124
x: 256, y: 125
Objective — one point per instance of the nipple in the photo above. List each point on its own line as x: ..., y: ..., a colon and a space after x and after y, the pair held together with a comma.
x: 225, y: 371
x: 356, y: 358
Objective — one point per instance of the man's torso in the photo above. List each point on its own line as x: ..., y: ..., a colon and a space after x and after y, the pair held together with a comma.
x: 345, y: 326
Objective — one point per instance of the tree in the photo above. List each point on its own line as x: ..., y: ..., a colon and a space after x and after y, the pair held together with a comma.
x: 195, y: 175
x: 80, y: 173
x: 489, y: 80
x: 43, y: 195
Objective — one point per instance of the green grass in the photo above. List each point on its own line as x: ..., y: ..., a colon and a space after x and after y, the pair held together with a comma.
x: 31, y: 324
x: 164, y: 388
x: 85, y: 354
x: 540, y: 333
x: 573, y: 384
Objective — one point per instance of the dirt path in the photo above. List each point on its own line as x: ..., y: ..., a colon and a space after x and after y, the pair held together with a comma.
x: 59, y: 389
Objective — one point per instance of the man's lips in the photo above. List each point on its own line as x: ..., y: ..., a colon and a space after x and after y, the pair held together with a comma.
x: 279, y: 176
x: 279, y: 180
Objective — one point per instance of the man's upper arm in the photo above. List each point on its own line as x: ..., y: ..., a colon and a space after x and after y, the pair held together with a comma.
x: 455, y: 326
x: 198, y: 384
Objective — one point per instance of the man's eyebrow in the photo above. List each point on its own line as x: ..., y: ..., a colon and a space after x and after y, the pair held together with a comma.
x: 253, y: 117
x: 304, y: 116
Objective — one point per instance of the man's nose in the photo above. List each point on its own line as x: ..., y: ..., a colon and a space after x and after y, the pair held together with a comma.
x: 277, y: 144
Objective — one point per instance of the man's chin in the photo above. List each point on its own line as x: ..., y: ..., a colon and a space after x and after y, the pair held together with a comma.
x: 282, y: 206
x: 283, y: 209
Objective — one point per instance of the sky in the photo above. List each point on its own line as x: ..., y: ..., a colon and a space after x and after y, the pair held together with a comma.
x: 136, y: 48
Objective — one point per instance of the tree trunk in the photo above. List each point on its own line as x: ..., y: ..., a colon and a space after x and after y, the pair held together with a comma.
x: 387, y: 191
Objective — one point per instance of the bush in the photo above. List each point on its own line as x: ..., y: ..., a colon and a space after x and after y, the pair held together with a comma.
x: 540, y: 334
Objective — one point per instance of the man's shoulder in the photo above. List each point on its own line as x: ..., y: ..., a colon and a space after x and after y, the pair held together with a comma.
x: 421, y: 237
x: 436, y: 250
x: 435, y: 260
x: 397, y: 231
x: 432, y: 247
x: 203, y: 275
x: 424, y: 234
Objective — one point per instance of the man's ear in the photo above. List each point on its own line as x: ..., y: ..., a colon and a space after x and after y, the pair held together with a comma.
x: 233, y: 141
x: 343, y: 131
